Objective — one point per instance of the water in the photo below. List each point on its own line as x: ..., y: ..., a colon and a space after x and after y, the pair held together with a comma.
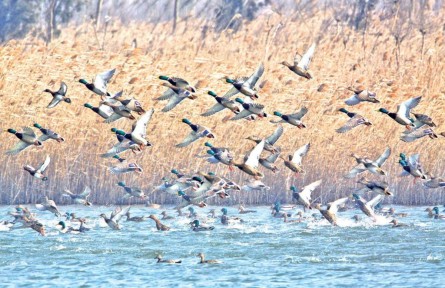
x: 263, y: 252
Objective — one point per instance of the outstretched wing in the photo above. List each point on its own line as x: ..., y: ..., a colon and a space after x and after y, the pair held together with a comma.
x: 273, y: 157
x: 102, y: 79
x: 299, y: 114
x: 307, y: 190
x: 166, y: 95
x: 253, y: 156
x: 45, y: 164
x: 255, y: 76
x: 174, y: 100
x: 376, y: 200
x: 232, y: 92
x: 275, y: 136
x: 63, y: 88
x: 243, y: 114
x: 352, y: 123
x: 192, y: 137
x: 405, y: 108
x: 300, y: 153
x: 383, y: 157
x: 56, y: 100
x: 333, y: 206
x: 215, y: 109
x: 113, y: 117
x: 86, y: 192
x: 355, y: 171
x: 307, y: 57
x: 20, y: 146
x: 140, y: 128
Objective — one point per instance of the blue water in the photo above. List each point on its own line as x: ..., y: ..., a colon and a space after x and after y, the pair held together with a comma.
x: 262, y: 252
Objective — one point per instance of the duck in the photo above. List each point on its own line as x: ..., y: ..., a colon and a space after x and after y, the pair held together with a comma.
x: 222, y: 103
x: 255, y: 185
x: 178, y: 95
x: 48, y: 134
x: 168, y: 261
x: 198, y: 199
x: 99, y: 86
x: 103, y: 111
x: 434, y: 182
x: 134, y: 218
x: 38, y: 173
x: 165, y: 216
x: 124, y: 167
x: 48, y: 205
x: 361, y: 95
x: 354, y: 121
x: 197, y: 227
x: 58, y: 96
x: 397, y: 224
x: 115, y: 217
x: 287, y: 220
x: 249, y: 109
x: 130, y: 104
x: 293, y: 119
x: 121, y: 146
x: 250, y: 163
x: 226, y: 220
x: 178, y: 83
x: 330, y: 213
x: 132, y: 191
x: 402, y: 116
x: 203, y: 261
x: 413, y: 135
x: 243, y: 210
x: 380, y: 187
x: 245, y: 85
x: 392, y: 212
x: 119, y: 110
x: 366, y: 164
x: 197, y: 132
x: 422, y: 119
x: 303, y: 197
x: 270, y: 141
x: 34, y: 224
x: 27, y: 138
x: 269, y: 162
x: 301, y: 63
x: 293, y: 162
x: 159, y: 225
x: 436, y: 214
x: 81, y: 198
x: 139, y: 130
x: 65, y: 229
x: 430, y: 212
x: 276, y: 210
x: 411, y: 166
x: 367, y: 207
x: 219, y: 155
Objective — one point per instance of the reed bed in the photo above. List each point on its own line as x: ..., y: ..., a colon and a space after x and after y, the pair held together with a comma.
x: 343, y: 58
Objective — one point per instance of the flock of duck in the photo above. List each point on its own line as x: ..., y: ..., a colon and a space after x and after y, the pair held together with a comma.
x: 198, y: 188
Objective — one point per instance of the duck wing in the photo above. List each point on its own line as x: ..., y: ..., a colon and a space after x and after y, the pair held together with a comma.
x: 56, y: 100
x: 333, y: 206
x: 273, y: 157
x: 117, y: 214
x: 113, y: 117
x: 300, y: 153
x: 20, y: 146
x: 412, y: 135
x: 255, y: 76
x: 381, y: 160
x: 44, y: 165
x: 352, y: 123
x: 140, y: 127
x: 232, y: 92
x: 102, y: 79
x: 118, y: 148
x: 166, y: 95
x: 29, y: 132
x: 307, y: 57
x: 253, y: 157
x: 355, y: 171
x: 86, y: 192
x: 299, y: 114
x: 174, y: 100
x: 192, y: 137
x: 275, y: 135
x: 374, y: 201
x: 353, y: 100
x: 307, y: 190
x: 243, y: 114
x: 63, y: 88
x: 215, y: 109
x: 404, y: 109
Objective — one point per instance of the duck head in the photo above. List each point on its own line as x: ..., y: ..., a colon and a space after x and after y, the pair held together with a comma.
x: 83, y: 81
x: 231, y: 81
x: 198, y: 179
x: 88, y: 105
x: 12, y: 131
x: 277, y: 206
x: 186, y: 121
x: 293, y: 188
x: 37, y: 125
x: 436, y: 210
x: 121, y: 183
x: 195, y: 223
x: 356, y: 196
x: 224, y: 211
x: 118, y: 158
x: 212, y: 174
x: 67, y: 100
x: 211, y: 93
x: 211, y: 152
x: 118, y: 132
x: 181, y: 193
x: 343, y: 110
x: 383, y: 110
x: 402, y: 156
x: 61, y: 224
x: 276, y: 113
x: 208, y: 144
x: 239, y: 100
x: 165, y: 78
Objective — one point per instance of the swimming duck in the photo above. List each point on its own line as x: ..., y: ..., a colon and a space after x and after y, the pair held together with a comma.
x: 434, y: 182
x: 139, y: 130
x: 243, y: 210
x: 219, y: 155
x: 197, y: 132
x: 81, y: 198
x: 27, y: 138
x: 226, y: 220
x: 330, y: 213
x: 99, y: 86
x: 392, y: 212
x: 197, y: 227
x: 124, y: 167
x: 397, y: 224
x: 413, y: 135
x: 301, y: 63
x: 293, y: 119
x: 276, y: 210
x: 287, y: 220
x: 245, y: 85
x: 354, y: 121
x: 38, y: 173
x: 270, y: 141
x: 412, y: 166
x: 168, y: 261
x: 132, y: 191
x: 249, y: 109
x: 250, y: 163
x: 103, y: 111
x: 48, y: 134
x: 367, y: 207
x: 255, y: 185
x: 222, y: 103
x: 178, y: 83
x: 436, y: 214
x: 402, y: 116
x: 269, y: 162
x: 367, y: 164
x: 159, y: 225
x: 165, y: 216
x: 294, y: 161
x: 48, y: 205
x: 303, y: 197
x: 361, y: 95
x: 203, y: 261
x: 380, y: 187
x: 430, y: 212
x: 115, y: 217
x: 65, y: 229
x: 134, y: 218
x: 58, y: 96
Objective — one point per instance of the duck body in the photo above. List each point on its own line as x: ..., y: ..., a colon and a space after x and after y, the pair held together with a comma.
x: 293, y: 119
x: 103, y: 111
x: 204, y: 261
x: 197, y: 227
x: 402, y: 116
x: 361, y: 95
x: 411, y: 166
x: 116, y: 215
x: 159, y: 225
x: 380, y: 187
x: 168, y: 261
x: 354, y: 121
x: 222, y: 103
x: 366, y: 164
x: 99, y: 86
x: 48, y: 134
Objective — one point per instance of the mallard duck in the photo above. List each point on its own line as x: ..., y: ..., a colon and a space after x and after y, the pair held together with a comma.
x: 413, y: 135
x: 27, y: 138
x: 226, y: 220
x: 249, y: 109
x: 436, y: 213
x: 168, y: 261
x: 132, y: 191
x: 115, y: 217
x: 287, y: 220
x: 159, y: 225
x: 411, y: 166
x: 294, y: 161
x: 131, y: 104
x: 270, y: 141
x: 397, y: 224
x: 197, y: 132
x: 301, y: 64
x: 392, y: 212
x: 367, y: 164
x: 361, y: 95
x: 367, y: 207
x: 380, y: 187
x: 121, y: 146
x: 134, y: 218
x: 203, y: 261
x: 100, y: 83
x: 175, y: 96
x: 219, y: 155
x: 243, y: 210
x: 58, y: 96
x: 422, y: 119
x: 276, y: 210
x: 354, y: 121
x: 250, y: 163
x: 402, y: 116
x: 303, y: 197
x: 119, y: 110
x: 434, y: 182
x: 245, y: 85
x: 255, y: 185
x: 103, y: 111
x: 178, y: 82
x: 48, y: 205
x: 330, y: 213
x: 293, y: 119
x: 48, y: 134
x: 197, y: 227
x: 139, y: 130
x: 165, y: 216
x: 34, y: 224
x: 269, y: 162
x: 222, y: 103
x: 65, y: 229
x: 38, y: 173
x: 81, y: 198
x: 124, y: 167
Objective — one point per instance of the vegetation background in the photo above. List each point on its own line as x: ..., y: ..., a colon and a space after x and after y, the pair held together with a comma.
x: 395, y: 48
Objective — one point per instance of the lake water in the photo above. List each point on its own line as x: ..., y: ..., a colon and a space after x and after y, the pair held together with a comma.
x: 262, y: 252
